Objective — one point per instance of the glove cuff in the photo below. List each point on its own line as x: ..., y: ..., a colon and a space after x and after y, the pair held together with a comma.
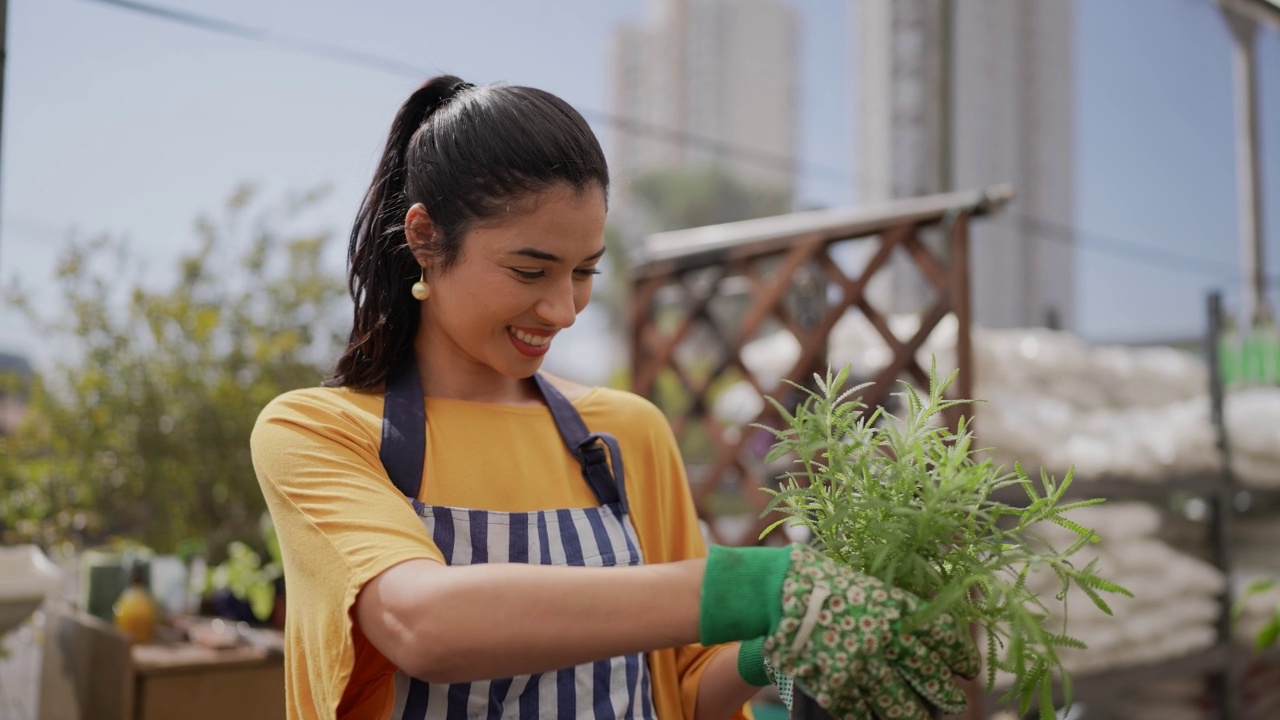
x: 741, y: 593
x: 751, y: 666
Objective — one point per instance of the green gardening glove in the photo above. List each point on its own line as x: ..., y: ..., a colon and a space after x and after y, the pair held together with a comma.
x: 836, y: 631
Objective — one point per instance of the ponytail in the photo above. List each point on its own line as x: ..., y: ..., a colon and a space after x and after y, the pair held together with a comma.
x: 379, y: 260
x: 464, y: 152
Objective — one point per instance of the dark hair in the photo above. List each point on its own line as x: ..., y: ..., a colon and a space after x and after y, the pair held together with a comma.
x: 464, y: 152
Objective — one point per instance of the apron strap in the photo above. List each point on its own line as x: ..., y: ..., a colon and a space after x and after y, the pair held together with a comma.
x: 404, y: 438
x: 404, y: 430
x: 584, y: 445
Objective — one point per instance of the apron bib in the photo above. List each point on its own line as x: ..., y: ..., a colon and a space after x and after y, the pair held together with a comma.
x: 592, y: 537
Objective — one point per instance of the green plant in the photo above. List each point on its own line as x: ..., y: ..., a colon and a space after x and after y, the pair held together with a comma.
x: 905, y: 500
x: 1269, y: 634
x: 139, y: 425
x: 246, y: 577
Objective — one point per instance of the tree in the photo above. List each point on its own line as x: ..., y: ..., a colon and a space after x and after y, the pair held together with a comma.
x: 676, y: 199
x: 142, y: 430
x: 679, y: 199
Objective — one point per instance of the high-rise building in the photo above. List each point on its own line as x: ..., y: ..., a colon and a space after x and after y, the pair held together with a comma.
x: 960, y: 95
x: 698, y: 82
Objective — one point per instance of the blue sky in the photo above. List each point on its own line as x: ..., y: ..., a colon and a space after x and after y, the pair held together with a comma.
x: 115, y: 121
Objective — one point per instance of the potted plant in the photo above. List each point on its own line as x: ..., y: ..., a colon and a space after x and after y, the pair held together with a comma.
x: 245, y: 588
x: 906, y: 500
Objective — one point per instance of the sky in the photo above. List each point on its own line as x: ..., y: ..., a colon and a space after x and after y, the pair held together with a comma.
x: 119, y: 122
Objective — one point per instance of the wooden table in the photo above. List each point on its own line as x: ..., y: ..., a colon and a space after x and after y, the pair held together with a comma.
x: 193, y: 682
x: 113, y: 679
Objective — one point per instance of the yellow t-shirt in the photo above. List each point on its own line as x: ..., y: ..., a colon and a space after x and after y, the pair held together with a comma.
x: 341, y: 521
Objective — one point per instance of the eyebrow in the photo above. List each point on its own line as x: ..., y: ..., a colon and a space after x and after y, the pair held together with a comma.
x: 537, y: 254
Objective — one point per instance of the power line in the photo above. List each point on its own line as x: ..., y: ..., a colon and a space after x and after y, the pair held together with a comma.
x: 1142, y: 253
x: 718, y: 148
x: 291, y: 42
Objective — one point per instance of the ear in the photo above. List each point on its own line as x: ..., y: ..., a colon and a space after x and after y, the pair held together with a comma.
x: 420, y: 233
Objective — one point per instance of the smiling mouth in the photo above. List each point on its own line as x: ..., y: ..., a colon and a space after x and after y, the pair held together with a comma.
x: 529, y: 344
x: 529, y: 338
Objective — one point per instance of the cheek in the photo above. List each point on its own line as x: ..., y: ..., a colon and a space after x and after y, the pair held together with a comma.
x: 478, y: 294
x: 582, y: 294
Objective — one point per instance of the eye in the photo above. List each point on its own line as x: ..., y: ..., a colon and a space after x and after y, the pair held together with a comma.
x: 585, y: 273
x: 528, y: 274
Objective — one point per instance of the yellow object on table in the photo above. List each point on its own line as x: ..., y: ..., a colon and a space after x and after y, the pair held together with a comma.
x: 135, y: 614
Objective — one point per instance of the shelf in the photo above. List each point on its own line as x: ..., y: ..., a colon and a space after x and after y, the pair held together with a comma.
x: 1215, y: 659
x: 1116, y: 680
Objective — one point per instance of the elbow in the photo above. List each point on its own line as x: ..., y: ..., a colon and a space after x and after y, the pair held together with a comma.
x: 424, y: 640
x: 431, y: 657
x: 410, y: 618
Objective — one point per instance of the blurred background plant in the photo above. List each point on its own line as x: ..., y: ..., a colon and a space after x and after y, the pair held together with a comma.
x: 243, y: 586
x: 141, y: 428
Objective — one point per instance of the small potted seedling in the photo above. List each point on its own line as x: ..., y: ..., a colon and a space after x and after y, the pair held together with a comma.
x: 907, y: 500
x: 244, y: 587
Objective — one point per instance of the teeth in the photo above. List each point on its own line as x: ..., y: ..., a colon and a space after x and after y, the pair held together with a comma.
x: 538, y: 340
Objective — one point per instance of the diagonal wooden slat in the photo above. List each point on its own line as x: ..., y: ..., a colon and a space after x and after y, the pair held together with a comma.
x: 664, y: 354
x: 768, y: 264
x: 886, y: 379
x: 766, y: 303
x: 933, y: 271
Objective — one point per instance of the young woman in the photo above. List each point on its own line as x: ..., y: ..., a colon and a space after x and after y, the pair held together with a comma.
x: 465, y: 537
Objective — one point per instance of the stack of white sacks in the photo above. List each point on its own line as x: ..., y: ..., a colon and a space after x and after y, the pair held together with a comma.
x: 1174, y: 607
x: 1051, y: 401
x: 1140, y: 413
x: 1172, y: 614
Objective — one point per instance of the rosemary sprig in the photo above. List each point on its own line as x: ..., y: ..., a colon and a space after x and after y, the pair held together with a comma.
x: 904, y: 499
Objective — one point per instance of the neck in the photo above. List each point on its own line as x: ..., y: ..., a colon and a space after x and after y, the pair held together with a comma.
x: 445, y: 375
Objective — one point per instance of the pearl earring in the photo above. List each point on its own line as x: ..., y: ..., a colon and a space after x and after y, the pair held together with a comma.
x: 421, y: 290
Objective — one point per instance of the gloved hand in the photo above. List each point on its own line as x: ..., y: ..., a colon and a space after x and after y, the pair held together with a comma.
x: 837, y: 632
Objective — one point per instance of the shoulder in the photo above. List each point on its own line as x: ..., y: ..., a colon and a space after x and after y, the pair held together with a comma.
x: 312, y: 409
x: 599, y: 402
x: 322, y: 400
x: 623, y: 412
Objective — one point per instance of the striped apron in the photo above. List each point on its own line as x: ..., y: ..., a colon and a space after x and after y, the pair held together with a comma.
x: 595, y: 537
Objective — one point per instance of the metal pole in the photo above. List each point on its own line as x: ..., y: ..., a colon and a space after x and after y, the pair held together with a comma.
x: 1224, y: 682
x: 1244, y: 30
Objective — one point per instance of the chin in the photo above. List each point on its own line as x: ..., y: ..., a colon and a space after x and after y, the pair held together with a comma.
x: 522, y: 369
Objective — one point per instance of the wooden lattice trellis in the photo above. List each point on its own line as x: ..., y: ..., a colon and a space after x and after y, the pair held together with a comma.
x: 700, y: 296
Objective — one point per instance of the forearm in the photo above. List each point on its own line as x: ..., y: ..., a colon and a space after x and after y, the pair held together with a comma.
x: 484, y: 621
x: 721, y: 690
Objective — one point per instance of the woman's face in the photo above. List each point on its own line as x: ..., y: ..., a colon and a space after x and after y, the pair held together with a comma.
x: 519, y: 280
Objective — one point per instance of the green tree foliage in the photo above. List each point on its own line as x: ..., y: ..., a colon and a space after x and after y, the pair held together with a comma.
x: 679, y: 199
x: 674, y: 200
x: 141, y: 429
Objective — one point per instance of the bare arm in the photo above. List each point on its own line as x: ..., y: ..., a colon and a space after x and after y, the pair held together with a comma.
x: 721, y: 690
x: 457, y: 624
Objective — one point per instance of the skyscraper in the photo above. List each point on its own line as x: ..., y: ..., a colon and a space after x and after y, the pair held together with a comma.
x: 722, y: 75
x: 960, y: 95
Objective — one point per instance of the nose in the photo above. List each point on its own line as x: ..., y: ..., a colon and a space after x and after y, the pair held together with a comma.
x: 559, y: 306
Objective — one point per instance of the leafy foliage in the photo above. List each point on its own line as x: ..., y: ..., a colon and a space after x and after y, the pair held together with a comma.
x: 679, y: 199
x: 1269, y: 634
x: 906, y: 501
x: 246, y: 577
x: 141, y: 429
x: 676, y: 199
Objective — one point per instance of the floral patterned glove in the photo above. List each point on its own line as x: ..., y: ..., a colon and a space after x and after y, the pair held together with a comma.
x: 841, y: 637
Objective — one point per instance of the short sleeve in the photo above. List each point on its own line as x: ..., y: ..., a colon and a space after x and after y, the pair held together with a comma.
x: 340, y: 521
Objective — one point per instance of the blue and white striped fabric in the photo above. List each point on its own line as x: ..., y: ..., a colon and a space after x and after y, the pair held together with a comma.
x: 592, y: 537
